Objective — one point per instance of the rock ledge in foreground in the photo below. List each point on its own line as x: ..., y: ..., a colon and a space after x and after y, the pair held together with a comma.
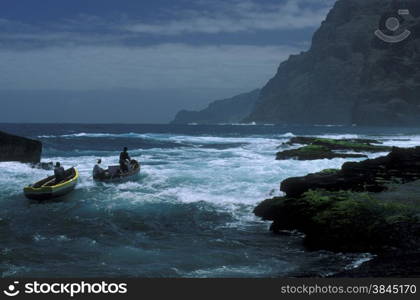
x: 16, y: 148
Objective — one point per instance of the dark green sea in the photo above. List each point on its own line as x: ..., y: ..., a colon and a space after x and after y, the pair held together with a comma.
x: 189, y: 214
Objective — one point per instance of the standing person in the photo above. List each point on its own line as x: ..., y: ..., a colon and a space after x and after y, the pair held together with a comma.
x: 59, y: 173
x: 124, y: 160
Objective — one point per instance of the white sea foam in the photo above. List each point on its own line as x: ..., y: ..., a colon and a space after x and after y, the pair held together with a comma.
x: 359, y: 260
x: 103, y: 135
x: 244, y: 174
x: 231, y: 271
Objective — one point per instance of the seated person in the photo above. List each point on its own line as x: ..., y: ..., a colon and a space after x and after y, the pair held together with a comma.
x: 98, y: 171
x: 59, y: 173
x: 124, y: 160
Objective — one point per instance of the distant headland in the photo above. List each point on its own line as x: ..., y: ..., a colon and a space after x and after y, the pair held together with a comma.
x: 348, y: 76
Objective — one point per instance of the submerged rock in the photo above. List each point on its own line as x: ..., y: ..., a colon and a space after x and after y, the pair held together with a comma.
x: 392, y: 264
x: 305, y: 140
x: 358, y: 145
x: 16, y: 148
x: 43, y: 165
x: 313, y: 152
x: 321, y: 148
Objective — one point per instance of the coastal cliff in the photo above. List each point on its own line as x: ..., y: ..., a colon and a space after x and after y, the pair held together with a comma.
x: 16, y: 148
x: 350, y: 76
x: 232, y: 110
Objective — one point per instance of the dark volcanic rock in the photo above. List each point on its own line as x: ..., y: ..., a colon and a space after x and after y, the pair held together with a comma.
x: 231, y: 110
x: 344, y: 221
x: 358, y: 145
x: 400, y: 166
x: 320, y: 148
x: 313, y: 152
x: 305, y: 140
x: 43, y: 165
x: 349, y: 76
x: 369, y: 206
x: 15, y: 148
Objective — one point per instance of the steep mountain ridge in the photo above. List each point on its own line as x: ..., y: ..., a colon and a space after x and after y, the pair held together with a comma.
x: 349, y: 76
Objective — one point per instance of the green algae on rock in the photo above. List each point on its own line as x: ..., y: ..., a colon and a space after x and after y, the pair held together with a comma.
x: 343, y: 221
x: 355, y: 208
x: 313, y: 152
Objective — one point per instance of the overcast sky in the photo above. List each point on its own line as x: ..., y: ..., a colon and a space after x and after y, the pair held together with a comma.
x: 157, y: 55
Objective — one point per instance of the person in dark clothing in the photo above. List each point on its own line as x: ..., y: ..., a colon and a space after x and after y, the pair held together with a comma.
x: 59, y: 173
x: 124, y: 160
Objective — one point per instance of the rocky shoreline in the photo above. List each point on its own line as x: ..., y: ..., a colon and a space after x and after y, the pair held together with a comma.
x: 368, y: 206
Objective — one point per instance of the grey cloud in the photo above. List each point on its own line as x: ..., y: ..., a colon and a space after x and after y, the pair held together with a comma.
x: 160, y: 66
x: 211, y: 17
x: 240, y: 16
